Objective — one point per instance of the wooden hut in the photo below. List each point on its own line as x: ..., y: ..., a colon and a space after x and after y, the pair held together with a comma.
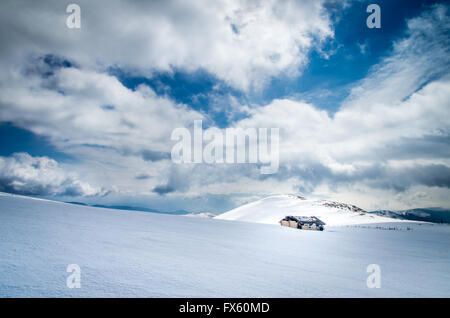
x: 303, y: 222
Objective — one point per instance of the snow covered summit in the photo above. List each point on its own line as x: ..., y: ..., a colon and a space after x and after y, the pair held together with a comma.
x: 272, y: 209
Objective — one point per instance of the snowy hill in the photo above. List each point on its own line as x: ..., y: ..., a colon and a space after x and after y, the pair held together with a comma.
x: 272, y: 209
x: 139, y: 254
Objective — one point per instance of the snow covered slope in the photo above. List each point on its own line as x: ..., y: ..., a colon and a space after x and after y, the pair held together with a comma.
x: 272, y: 209
x: 141, y: 254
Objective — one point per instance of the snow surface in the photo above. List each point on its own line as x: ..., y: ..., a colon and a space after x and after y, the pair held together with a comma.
x: 141, y: 254
x: 272, y: 209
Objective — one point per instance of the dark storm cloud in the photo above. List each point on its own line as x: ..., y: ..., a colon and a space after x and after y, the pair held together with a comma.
x: 424, y: 147
x: 179, y: 180
x: 150, y: 155
x: 163, y: 189
x: 142, y: 176
x: 376, y: 175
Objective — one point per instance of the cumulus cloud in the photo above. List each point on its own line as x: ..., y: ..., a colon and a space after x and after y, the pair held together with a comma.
x: 393, y: 130
x: 241, y: 42
x: 51, y: 96
x: 24, y: 174
x: 68, y: 105
x: 391, y: 134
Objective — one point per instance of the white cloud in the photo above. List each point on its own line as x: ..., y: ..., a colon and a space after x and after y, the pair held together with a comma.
x: 114, y: 132
x: 80, y: 107
x: 241, y: 42
x: 401, y: 98
x: 24, y: 174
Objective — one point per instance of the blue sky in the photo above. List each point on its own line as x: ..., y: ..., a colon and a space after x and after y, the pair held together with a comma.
x: 14, y: 139
x: 99, y: 103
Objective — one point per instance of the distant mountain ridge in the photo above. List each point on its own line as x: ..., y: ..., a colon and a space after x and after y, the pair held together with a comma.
x: 434, y: 215
x: 130, y: 208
